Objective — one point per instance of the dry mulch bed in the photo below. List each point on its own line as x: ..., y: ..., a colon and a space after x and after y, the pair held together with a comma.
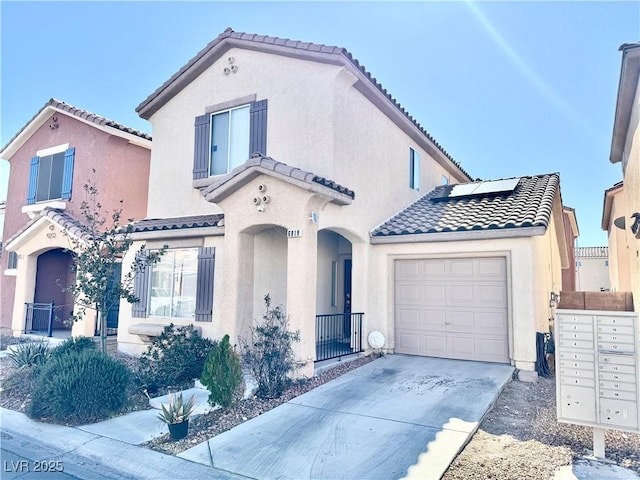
x: 521, y: 438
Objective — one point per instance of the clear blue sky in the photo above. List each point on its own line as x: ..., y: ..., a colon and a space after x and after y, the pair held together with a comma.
x: 507, y: 88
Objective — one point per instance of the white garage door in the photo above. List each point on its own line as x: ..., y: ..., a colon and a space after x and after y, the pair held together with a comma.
x: 452, y: 308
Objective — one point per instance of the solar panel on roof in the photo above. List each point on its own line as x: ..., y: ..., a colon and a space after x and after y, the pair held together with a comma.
x: 495, y: 186
x: 464, y: 189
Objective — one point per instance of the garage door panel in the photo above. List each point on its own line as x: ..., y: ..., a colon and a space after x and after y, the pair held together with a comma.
x: 434, y: 268
x: 407, y: 269
x: 434, y: 295
x: 488, y: 268
x: 458, y: 311
x: 460, y: 294
x: 408, y: 294
x: 492, y: 295
x: 461, y: 267
x: 434, y: 320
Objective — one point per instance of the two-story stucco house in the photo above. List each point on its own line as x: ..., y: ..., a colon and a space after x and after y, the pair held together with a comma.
x: 284, y: 168
x: 51, y: 158
x: 621, y: 211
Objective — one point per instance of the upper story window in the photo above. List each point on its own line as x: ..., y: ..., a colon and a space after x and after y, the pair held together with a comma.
x: 414, y: 169
x: 227, y: 138
x: 12, y: 260
x: 445, y: 180
x: 51, y: 174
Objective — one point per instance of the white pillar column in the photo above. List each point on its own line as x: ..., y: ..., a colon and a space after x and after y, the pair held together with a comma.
x: 302, y: 259
x: 25, y: 291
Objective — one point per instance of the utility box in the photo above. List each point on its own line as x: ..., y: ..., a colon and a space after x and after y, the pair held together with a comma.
x: 598, y: 368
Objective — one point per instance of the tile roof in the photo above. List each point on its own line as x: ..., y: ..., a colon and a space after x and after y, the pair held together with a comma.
x: 65, y: 220
x: 301, y: 47
x: 592, y: 252
x: 529, y: 205
x: 268, y: 163
x: 177, y: 223
x: 83, y: 114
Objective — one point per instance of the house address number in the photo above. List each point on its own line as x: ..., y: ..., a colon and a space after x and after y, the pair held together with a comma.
x: 295, y: 233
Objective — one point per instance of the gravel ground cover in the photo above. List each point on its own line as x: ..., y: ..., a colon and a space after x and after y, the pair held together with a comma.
x: 521, y: 439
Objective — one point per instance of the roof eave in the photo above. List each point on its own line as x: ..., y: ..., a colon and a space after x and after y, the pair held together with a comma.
x: 176, y: 233
x: 235, y: 182
x: 629, y: 73
x: 43, y: 115
x: 607, y: 205
x: 461, y: 236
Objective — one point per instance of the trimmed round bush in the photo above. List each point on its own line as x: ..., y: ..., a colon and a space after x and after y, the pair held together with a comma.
x: 79, y: 386
x: 73, y: 344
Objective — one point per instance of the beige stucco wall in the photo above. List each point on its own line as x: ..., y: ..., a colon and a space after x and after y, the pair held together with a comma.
x: 631, y: 172
x: 619, y: 265
x: 317, y: 121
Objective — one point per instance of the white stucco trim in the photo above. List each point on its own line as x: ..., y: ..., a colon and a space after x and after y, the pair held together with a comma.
x: 52, y: 150
x: 34, y: 209
x: 460, y: 236
x: 11, y: 272
x: 34, y: 229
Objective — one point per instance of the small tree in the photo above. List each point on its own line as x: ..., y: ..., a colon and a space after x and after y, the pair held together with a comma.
x: 269, y: 354
x: 96, y: 250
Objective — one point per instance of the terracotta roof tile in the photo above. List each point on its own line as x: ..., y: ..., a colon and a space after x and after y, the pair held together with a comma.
x: 528, y: 205
x: 178, y: 223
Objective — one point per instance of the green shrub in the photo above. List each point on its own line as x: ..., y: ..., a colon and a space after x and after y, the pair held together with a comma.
x: 80, y: 386
x: 33, y: 354
x: 174, y: 358
x: 73, y: 344
x: 269, y: 354
x: 222, y: 374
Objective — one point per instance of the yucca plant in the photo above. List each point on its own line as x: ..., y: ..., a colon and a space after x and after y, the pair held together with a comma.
x: 177, y: 411
x: 33, y: 354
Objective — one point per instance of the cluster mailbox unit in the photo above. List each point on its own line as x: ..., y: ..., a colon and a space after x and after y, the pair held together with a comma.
x: 598, y: 373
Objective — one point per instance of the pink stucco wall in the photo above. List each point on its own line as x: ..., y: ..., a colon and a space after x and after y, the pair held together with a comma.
x: 122, y: 173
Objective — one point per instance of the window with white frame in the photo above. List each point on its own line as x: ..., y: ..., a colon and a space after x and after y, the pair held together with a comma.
x: 12, y: 260
x: 445, y: 180
x: 229, y: 139
x: 172, y: 284
x: 226, y: 138
x: 414, y: 169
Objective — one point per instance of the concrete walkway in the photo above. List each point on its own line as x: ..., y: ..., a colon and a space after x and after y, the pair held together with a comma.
x: 395, y: 416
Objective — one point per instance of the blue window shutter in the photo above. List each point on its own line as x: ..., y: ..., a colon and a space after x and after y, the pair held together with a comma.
x: 201, y: 146
x: 204, y: 288
x: 67, y: 177
x: 33, y: 180
x: 258, y: 127
x: 141, y: 286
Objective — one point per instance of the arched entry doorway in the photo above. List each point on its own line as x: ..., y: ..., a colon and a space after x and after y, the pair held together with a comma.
x: 338, y: 328
x: 53, y: 276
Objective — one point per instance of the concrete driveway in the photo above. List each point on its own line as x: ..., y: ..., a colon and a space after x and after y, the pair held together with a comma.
x: 396, y: 416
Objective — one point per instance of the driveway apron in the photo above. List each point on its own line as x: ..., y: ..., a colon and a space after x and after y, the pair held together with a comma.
x: 396, y: 416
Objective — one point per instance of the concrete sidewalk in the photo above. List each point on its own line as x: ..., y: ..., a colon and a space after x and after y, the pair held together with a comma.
x: 90, y: 456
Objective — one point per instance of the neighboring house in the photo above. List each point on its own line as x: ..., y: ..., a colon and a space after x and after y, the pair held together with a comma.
x: 571, y: 233
x: 274, y: 168
x: 51, y: 159
x: 592, y: 269
x: 619, y: 262
x: 621, y: 212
